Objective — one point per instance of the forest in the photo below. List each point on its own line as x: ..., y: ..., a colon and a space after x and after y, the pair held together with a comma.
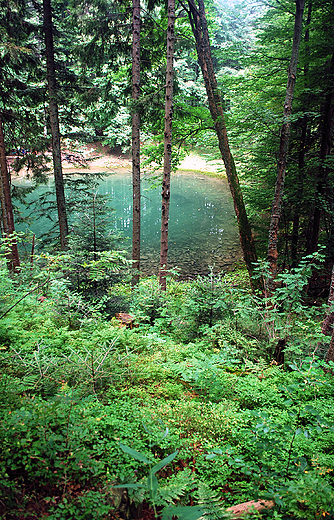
x: 173, y: 391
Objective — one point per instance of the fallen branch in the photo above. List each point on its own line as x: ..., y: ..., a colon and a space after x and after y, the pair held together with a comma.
x: 250, y: 507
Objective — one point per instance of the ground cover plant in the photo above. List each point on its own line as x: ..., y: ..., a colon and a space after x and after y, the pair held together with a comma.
x: 184, y: 415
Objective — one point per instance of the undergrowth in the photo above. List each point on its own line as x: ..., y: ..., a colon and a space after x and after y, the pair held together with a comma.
x: 187, y: 413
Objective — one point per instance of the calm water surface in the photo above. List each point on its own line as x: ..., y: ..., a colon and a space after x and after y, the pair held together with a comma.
x: 202, y: 227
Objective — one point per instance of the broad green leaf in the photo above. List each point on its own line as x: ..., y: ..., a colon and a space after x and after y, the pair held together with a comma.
x: 164, y: 435
x: 183, y: 513
x: 135, y: 454
x: 279, y: 501
x: 302, y: 463
x: 218, y: 451
x: 152, y: 484
x: 164, y: 462
x: 132, y: 486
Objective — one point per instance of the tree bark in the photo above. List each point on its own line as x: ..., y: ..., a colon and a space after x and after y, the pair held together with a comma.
x: 284, y: 145
x: 200, y: 30
x: 325, y: 151
x: 327, y: 325
x: 136, y: 143
x: 54, y: 123
x: 330, y: 352
x: 241, y: 510
x: 167, y: 144
x: 302, y: 146
x: 8, y: 227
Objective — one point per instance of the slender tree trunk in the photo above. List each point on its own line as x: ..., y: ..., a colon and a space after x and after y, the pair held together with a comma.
x: 329, y: 320
x: 302, y: 146
x: 167, y: 144
x: 54, y: 122
x: 325, y: 151
x: 300, y: 190
x: 94, y: 227
x: 136, y: 143
x: 327, y: 325
x: 330, y: 352
x: 8, y: 227
x: 199, y: 27
x: 284, y: 144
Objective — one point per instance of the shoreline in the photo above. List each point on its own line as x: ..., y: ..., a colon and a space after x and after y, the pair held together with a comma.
x: 114, y: 163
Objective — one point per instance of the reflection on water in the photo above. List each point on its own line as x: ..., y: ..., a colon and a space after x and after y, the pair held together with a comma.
x: 202, y: 226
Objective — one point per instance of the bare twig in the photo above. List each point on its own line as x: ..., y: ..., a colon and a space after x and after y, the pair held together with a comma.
x: 27, y: 294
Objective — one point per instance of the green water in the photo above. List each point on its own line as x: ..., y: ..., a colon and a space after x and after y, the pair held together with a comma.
x: 202, y: 227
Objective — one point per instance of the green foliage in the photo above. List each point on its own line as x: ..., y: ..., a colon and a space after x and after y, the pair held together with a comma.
x: 90, y: 504
x: 307, y: 497
x: 76, y: 389
x: 284, y: 311
x: 147, y: 300
x: 207, y: 503
x: 151, y: 484
x: 282, y: 449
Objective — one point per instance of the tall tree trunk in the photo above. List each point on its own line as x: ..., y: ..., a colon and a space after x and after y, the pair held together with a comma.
x: 8, y: 227
x: 136, y: 142
x: 200, y: 30
x: 284, y: 144
x: 302, y: 145
x: 54, y: 122
x: 167, y: 144
x: 300, y: 191
x: 325, y: 151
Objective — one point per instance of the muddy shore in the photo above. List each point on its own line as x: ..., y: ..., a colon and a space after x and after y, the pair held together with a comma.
x: 98, y: 159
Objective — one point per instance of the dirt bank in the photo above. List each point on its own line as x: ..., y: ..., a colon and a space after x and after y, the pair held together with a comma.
x: 96, y: 158
x: 111, y: 161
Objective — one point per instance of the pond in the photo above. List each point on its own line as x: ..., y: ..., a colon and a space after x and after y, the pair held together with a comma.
x: 202, y: 229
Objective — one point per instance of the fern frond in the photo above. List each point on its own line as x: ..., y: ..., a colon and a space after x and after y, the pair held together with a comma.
x: 171, y: 491
x: 210, y: 501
